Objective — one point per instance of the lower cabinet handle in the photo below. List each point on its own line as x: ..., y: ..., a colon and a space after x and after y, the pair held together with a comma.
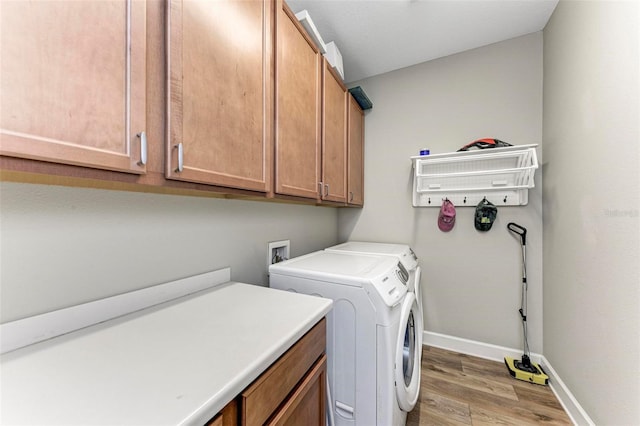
x: 326, y: 189
x: 143, y: 148
x: 180, y: 157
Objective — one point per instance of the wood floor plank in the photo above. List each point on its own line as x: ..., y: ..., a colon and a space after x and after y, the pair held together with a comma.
x: 500, y: 373
x: 484, y: 417
x: 478, y: 383
x: 485, y: 367
x: 537, y: 396
x: 438, y: 382
x: 434, y: 409
x: 524, y: 410
x: 461, y: 389
x: 442, y: 358
x: 534, y: 392
x: 436, y: 406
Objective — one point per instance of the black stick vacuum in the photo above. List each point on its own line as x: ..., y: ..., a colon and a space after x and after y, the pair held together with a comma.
x: 524, y: 369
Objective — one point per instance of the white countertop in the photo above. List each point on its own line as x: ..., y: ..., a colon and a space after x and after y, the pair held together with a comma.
x: 176, y: 363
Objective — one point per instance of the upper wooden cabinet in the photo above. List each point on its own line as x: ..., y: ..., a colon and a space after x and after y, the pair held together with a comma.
x: 220, y: 92
x: 73, y: 82
x: 298, y: 103
x: 334, y: 136
x: 233, y: 97
x: 355, y: 168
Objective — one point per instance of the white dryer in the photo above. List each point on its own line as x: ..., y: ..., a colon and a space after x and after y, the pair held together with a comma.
x: 402, y: 251
x: 407, y: 258
x: 366, y: 357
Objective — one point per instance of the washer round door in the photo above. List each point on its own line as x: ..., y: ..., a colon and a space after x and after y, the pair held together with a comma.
x: 408, y: 355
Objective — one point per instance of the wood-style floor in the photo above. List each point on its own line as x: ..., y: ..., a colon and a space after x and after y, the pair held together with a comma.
x: 458, y: 389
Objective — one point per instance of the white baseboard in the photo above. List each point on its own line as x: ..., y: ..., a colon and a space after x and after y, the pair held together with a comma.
x: 497, y: 353
x: 569, y: 403
x: 472, y: 347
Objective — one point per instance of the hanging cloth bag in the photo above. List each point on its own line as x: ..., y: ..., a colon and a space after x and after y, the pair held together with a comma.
x: 486, y: 213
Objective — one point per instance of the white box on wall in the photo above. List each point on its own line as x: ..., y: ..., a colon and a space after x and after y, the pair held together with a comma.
x: 305, y: 19
x: 335, y: 58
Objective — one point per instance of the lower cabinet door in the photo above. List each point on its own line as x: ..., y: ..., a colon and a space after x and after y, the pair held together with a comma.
x: 307, y: 404
x: 227, y: 417
x: 268, y: 394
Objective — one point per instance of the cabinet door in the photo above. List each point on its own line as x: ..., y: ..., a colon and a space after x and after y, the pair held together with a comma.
x: 306, y: 406
x: 227, y: 417
x: 264, y: 397
x: 73, y: 82
x: 355, y: 167
x: 298, y: 72
x: 334, y: 136
x: 220, y: 92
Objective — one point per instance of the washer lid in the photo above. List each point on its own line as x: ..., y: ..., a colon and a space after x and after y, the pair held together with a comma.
x: 401, y: 251
x: 341, y: 268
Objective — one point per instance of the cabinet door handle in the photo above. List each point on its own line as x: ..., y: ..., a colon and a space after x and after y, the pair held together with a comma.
x: 180, y: 157
x: 143, y: 148
x: 326, y: 189
x: 350, y: 196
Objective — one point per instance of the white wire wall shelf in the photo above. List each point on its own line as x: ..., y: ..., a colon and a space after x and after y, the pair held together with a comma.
x: 501, y: 175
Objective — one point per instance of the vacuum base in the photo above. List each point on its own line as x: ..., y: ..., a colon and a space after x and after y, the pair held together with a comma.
x: 538, y: 376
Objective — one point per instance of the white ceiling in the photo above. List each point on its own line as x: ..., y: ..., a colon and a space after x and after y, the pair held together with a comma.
x: 375, y: 37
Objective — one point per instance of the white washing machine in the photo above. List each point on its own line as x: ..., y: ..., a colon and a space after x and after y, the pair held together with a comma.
x: 371, y: 377
x: 407, y: 258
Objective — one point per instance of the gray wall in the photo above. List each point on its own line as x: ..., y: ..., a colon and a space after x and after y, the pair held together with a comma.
x: 591, y: 199
x: 63, y: 246
x: 471, y: 281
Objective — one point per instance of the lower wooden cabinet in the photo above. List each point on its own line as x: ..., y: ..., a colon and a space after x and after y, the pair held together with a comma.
x: 307, y: 405
x: 290, y: 392
x: 227, y: 417
x: 260, y: 401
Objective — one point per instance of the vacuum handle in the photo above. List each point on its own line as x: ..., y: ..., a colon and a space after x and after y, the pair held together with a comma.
x: 520, y: 230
